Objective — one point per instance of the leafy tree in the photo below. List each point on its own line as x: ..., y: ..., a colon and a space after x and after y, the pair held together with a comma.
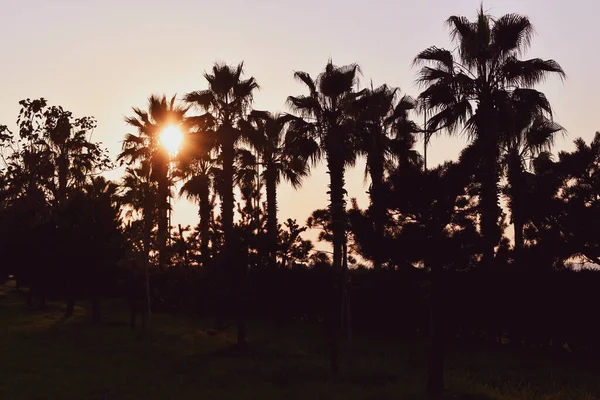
x: 47, y: 162
x: 580, y: 193
x: 292, y: 247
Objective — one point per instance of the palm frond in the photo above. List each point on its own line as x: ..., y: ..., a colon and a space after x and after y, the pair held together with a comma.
x: 529, y: 72
x: 442, y: 57
x: 512, y: 33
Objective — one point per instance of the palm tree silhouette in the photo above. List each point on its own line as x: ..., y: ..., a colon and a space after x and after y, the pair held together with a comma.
x: 533, y: 133
x: 140, y: 193
x: 281, y: 156
x: 145, y: 145
x: 384, y: 137
x: 472, y: 88
x: 199, y: 167
x: 325, y: 115
x: 225, y: 103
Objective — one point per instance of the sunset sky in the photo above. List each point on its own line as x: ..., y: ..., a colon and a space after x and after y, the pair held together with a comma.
x: 100, y: 58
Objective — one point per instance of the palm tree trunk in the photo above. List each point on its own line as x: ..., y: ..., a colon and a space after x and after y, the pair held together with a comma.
x: 163, y: 194
x: 235, y: 278
x: 490, y: 209
x: 204, y: 212
x: 227, y: 194
x: 146, y: 244
x: 515, y: 183
x: 271, y: 187
x: 378, y: 209
x: 338, y: 220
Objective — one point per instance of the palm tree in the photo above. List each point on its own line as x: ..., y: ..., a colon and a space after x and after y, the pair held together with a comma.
x: 280, y: 156
x: 197, y: 164
x: 145, y: 145
x: 140, y: 193
x: 473, y: 87
x: 385, y: 136
x: 226, y: 102
x: 533, y: 133
x: 325, y: 115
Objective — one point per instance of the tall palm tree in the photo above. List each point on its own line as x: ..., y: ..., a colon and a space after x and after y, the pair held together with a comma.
x: 385, y: 137
x: 325, y: 115
x: 280, y: 156
x: 470, y: 88
x: 226, y: 102
x: 145, y: 145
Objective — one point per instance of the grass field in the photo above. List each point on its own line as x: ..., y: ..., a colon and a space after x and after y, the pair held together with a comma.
x: 43, y: 356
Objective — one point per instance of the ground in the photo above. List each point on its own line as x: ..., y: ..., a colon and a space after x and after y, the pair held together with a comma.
x: 44, y: 356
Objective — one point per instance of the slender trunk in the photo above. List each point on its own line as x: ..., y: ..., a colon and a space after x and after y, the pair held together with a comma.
x: 62, y: 178
x: 488, y: 143
x: 515, y: 183
x: 163, y: 228
x: 338, y: 222
x: 435, y: 378
x: 338, y: 210
x: 271, y: 187
x: 378, y: 208
x: 227, y: 193
x: 146, y: 244
x: 205, y: 210
x: 230, y: 272
x: 490, y: 209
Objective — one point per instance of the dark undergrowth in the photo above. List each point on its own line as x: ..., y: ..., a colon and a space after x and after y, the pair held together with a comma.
x: 44, y: 356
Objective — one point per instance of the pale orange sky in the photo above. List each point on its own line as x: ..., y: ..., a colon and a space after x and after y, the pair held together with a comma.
x: 101, y: 58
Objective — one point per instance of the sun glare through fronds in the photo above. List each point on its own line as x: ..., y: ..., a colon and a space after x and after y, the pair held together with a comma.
x: 171, y: 138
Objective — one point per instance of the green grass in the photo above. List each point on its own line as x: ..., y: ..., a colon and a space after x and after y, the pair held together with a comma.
x: 43, y: 356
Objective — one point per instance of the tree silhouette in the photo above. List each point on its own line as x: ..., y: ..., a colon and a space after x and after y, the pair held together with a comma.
x: 486, y: 71
x: 50, y: 160
x: 580, y: 192
x: 281, y: 155
x: 226, y: 102
x: 384, y: 136
x: 326, y: 116
x: 532, y: 133
x: 199, y: 167
x: 141, y: 195
x: 145, y: 145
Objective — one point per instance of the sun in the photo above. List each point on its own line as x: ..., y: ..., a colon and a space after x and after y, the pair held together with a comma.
x: 171, y: 138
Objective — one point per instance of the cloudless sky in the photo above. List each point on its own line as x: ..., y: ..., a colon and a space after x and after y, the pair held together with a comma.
x: 101, y: 57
